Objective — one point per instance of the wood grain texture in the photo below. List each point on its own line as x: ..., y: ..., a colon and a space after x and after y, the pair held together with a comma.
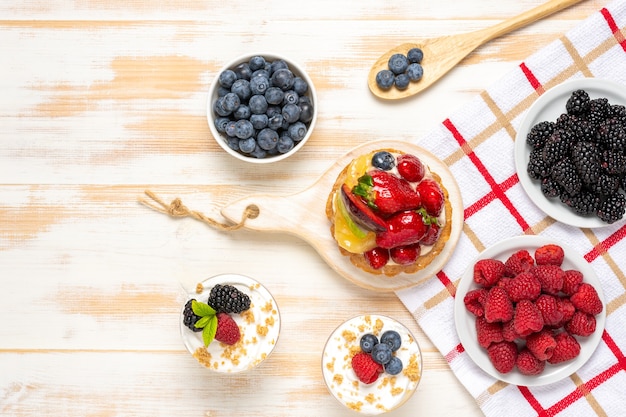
x: 103, y: 100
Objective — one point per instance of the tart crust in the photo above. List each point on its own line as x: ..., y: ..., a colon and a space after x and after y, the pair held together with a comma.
x: 392, y: 269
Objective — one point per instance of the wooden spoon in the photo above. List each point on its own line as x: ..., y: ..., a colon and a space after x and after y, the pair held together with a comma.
x: 443, y: 53
x: 303, y: 215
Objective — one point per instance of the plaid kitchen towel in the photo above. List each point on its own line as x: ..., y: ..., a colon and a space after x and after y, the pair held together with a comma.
x: 477, y: 143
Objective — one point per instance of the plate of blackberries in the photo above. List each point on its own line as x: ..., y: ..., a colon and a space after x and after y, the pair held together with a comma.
x: 570, y: 152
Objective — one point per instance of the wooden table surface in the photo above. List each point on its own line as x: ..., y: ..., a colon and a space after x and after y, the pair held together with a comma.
x: 101, y: 100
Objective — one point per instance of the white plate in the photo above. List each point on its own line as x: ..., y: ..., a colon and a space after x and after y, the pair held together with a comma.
x: 549, y: 107
x: 465, y: 321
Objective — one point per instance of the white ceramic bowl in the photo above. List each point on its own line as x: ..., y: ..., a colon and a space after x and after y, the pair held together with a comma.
x: 388, y: 392
x: 259, y: 327
x: 221, y: 138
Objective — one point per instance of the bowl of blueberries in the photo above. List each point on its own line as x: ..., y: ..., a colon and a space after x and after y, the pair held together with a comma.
x: 261, y: 108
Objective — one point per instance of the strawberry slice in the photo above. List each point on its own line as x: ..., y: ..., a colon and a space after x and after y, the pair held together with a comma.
x: 360, y: 212
x: 404, y: 228
x: 386, y: 193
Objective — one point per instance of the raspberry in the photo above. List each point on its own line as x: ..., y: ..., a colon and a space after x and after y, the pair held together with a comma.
x: 377, y: 257
x: 488, y: 333
x: 586, y: 299
x: 541, y: 344
x: 519, y: 262
x: 228, y: 299
x: 524, y: 286
x: 365, y: 368
x: 227, y: 330
x: 567, y: 348
x: 503, y: 355
x: 528, y: 364
x: 487, y: 272
x: 508, y: 331
x: 581, y: 324
x: 549, y: 307
x: 566, y: 307
x: 571, y: 281
x: 474, y: 301
x: 527, y: 318
x: 550, y: 277
x: 498, y: 307
x: 550, y: 254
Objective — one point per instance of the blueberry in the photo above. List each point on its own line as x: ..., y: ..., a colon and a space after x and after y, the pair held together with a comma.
x: 394, y: 367
x: 256, y: 62
x: 243, y: 71
x: 231, y: 102
x: 247, y: 145
x: 242, y: 89
x: 367, y: 342
x: 258, y: 152
x: 384, y: 79
x: 278, y: 64
x: 402, y: 81
x: 306, y: 112
x: 218, y: 107
x: 258, y: 104
x: 233, y: 143
x: 283, y: 79
x: 381, y: 353
x: 397, y: 63
x: 274, y: 95
x: 291, y: 113
x: 290, y: 97
x: 267, y: 139
x: 222, y: 91
x: 230, y: 129
x: 383, y: 160
x: 259, y: 121
x: 284, y: 144
x: 300, y: 86
x: 220, y: 123
x: 242, y: 112
x: 415, y: 72
x: 227, y: 78
x: 261, y: 73
x: 259, y: 84
x: 415, y: 55
x: 297, y: 131
x: 243, y: 129
x: 273, y: 111
x: 275, y: 122
x: 391, y: 338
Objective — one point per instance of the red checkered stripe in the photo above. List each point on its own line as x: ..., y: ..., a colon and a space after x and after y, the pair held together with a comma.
x: 600, y: 245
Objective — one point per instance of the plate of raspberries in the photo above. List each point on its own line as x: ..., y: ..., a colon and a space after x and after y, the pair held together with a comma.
x: 570, y: 152
x: 529, y: 311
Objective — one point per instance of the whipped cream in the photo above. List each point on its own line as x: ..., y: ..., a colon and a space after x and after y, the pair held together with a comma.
x: 389, y: 391
x: 259, y: 326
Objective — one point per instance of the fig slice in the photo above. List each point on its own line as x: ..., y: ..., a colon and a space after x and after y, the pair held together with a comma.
x: 360, y: 212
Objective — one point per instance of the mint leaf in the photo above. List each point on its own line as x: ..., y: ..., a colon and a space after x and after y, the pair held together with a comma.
x: 208, y: 332
x: 202, y: 322
x: 202, y: 309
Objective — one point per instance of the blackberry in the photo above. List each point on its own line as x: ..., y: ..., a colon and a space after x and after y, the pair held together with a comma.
x: 558, y: 146
x: 584, y: 131
x: 612, y: 135
x: 551, y: 188
x: 578, y: 103
x: 598, y: 111
x: 564, y: 173
x: 228, y: 299
x: 606, y: 184
x: 612, y: 208
x: 618, y: 112
x: 539, y: 133
x: 537, y: 167
x: 613, y: 162
x: 190, y: 318
x: 584, y: 203
x: 586, y: 159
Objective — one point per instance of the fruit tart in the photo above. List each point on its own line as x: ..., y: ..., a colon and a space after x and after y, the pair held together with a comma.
x: 389, y: 213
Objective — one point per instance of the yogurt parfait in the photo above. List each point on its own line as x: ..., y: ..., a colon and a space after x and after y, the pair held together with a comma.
x: 372, y: 364
x: 230, y: 323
